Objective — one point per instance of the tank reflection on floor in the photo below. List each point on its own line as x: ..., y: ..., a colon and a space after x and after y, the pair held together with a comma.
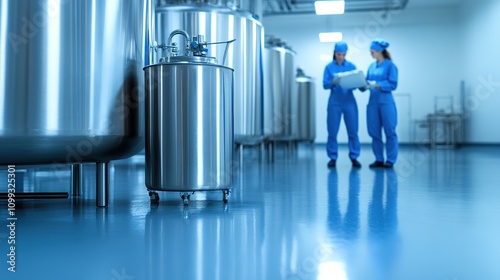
x: 208, y: 235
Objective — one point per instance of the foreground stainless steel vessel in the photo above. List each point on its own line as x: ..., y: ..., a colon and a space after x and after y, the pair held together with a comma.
x: 280, y: 99
x: 306, y: 113
x: 221, y: 21
x: 189, y: 125
x: 71, y: 80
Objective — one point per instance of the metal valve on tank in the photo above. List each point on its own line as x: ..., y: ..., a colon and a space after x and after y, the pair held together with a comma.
x: 196, y: 47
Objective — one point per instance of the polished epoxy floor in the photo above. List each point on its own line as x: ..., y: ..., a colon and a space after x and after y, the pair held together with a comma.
x: 434, y: 216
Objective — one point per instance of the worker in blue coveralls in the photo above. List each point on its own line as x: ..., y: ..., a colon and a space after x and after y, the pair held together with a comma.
x: 341, y: 102
x: 381, y: 113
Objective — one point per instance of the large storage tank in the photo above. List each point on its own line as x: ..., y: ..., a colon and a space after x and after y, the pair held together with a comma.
x: 222, y: 21
x: 280, y: 91
x: 189, y: 122
x: 306, y: 114
x: 71, y: 80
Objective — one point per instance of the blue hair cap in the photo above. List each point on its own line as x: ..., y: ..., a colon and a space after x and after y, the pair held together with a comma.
x: 379, y: 45
x: 340, y: 47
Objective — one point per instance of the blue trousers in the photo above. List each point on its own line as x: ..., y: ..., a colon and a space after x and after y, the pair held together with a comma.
x: 334, y: 115
x: 383, y: 116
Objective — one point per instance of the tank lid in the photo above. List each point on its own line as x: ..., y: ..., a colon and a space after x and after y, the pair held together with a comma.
x: 274, y: 42
x: 302, y: 77
x: 189, y: 59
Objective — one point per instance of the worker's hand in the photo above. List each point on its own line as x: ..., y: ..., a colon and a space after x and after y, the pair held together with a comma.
x: 335, y: 80
x: 373, y: 84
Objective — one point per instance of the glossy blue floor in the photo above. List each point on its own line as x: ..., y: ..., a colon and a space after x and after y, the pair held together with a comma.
x: 434, y: 216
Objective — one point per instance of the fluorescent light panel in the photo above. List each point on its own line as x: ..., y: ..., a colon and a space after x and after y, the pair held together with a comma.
x: 335, y: 7
x: 325, y: 57
x: 326, y: 37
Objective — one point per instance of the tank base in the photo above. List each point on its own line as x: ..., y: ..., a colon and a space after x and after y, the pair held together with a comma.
x: 186, y: 196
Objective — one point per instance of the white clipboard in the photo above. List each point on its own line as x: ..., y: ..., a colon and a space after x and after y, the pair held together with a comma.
x: 352, y: 79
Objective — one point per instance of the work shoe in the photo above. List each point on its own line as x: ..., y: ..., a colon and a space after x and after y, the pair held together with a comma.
x: 355, y: 163
x: 331, y: 164
x: 377, y: 164
x: 388, y: 164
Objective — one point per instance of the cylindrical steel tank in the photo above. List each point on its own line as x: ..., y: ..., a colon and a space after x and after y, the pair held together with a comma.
x: 71, y: 83
x: 306, y: 117
x: 221, y: 21
x: 280, y: 91
x: 189, y: 125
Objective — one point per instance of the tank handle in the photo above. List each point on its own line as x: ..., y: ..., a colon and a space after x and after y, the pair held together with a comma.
x: 225, y: 50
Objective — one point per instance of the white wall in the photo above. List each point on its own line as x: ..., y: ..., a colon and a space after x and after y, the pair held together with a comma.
x: 481, y: 43
x: 426, y: 45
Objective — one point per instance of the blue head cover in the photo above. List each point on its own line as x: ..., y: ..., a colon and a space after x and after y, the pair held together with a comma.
x: 340, y: 47
x: 379, y: 45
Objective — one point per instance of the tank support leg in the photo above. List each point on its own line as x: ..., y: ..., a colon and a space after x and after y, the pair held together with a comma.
x: 154, y: 197
x: 240, y: 153
x: 76, y: 179
x: 271, y: 150
x: 102, y: 184
x: 225, y: 196
x: 262, y: 151
x: 185, y: 198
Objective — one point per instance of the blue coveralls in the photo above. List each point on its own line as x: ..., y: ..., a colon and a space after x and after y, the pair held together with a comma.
x: 381, y: 110
x: 341, y: 101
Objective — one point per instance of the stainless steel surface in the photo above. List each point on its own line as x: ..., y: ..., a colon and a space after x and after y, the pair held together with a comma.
x: 71, y: 80
x: 102, y: 184
x: 220, y: 23
x: 279, y: 90
x: 252, y: 6
x: 306, y: 113
x: 189, y: 126
x: 192, y: 59
x: 295, y: 7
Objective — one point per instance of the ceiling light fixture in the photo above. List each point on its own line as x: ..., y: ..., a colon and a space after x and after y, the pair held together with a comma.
x: 327, y: 37
x: 335, y: 7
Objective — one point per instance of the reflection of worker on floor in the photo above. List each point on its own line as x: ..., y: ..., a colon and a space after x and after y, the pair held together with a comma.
x: 383, y: 223
x: 344, y: 232
x: 348, y: 227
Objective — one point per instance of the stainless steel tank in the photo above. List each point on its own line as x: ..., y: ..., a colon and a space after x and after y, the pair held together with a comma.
x: 71, y: 83
x: 221, y: 21
x: 280, y: 101
x: 306, y: 113
x: 189, y: 123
